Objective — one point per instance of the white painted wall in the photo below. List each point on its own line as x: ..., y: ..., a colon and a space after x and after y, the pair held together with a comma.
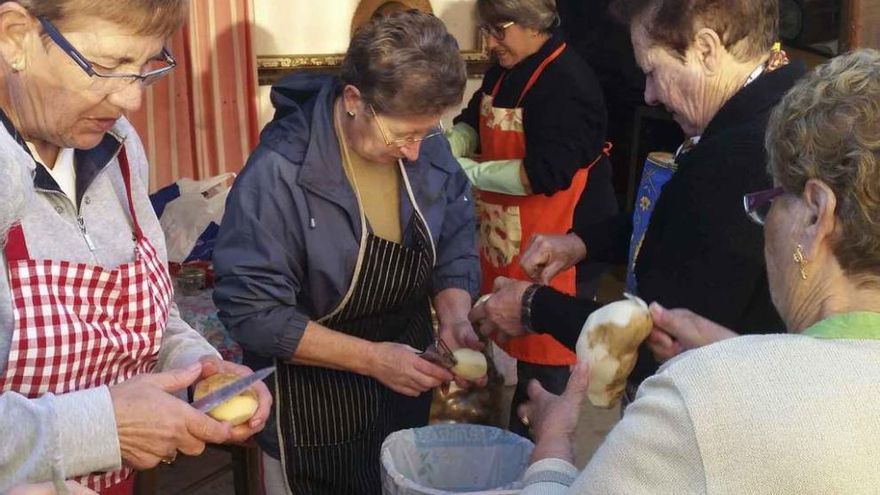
x: 285, y: 27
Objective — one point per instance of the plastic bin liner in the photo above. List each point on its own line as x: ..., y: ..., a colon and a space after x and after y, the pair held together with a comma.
x: 454, y: 458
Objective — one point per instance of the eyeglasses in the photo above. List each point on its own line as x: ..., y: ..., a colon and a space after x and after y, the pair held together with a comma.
x: 401, y: 142
x: 757, y: 204
x: 155, y: 68
x: 497, y: 31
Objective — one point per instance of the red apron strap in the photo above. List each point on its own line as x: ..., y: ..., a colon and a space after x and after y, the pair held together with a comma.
x: 16, y: 247
x: 535, y: 75
x: 606, y: 151
x: 126, y: 176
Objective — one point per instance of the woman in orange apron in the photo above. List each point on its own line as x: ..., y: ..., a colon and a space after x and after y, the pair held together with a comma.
x: 536, y: 129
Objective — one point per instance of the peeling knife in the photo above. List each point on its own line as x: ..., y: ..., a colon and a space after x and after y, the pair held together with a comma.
x: 229, y: 391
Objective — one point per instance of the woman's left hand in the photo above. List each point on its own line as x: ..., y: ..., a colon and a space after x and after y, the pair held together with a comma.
x: 212, y: 365
x: 553, y: 418
x: 501, y: 314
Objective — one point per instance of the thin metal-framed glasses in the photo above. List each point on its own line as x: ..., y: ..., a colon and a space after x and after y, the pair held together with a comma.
x: 497, y: 31
x: 401, y: 142
x: 156, y: 68
x: 757, y: 204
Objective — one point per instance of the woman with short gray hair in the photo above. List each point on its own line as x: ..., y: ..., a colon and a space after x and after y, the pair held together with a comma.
x: 538, y: 125
x: 349, y: 219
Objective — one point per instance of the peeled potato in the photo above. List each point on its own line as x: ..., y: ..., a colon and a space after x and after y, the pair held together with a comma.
x: 236, y: 410
x: 470, y: 364
x: 609, y: 341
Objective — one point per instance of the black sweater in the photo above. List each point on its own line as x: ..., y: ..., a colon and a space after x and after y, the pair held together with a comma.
x: 564, y: 116
x: 700, y: 252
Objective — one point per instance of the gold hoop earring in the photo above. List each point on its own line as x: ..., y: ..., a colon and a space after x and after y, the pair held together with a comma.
x: 801, y: 260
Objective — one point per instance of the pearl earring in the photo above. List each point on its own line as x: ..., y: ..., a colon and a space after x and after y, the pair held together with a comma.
x: 17, y: 65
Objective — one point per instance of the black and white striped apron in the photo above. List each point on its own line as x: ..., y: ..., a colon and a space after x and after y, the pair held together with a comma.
x: 332, y: 423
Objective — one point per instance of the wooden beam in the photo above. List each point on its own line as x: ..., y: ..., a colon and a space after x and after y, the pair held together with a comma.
x: 861, y: 24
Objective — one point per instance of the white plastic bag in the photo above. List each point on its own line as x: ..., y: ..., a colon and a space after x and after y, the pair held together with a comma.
x: 185, y: 219
x: 454, y: 458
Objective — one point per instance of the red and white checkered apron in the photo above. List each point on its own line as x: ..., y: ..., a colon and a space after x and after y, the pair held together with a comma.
x: 79, y: 326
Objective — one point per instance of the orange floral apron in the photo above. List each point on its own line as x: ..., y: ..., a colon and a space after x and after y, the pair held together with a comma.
x: 507, y: 222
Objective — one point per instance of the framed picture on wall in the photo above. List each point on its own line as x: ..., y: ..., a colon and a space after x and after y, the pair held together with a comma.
x: 319, y: 38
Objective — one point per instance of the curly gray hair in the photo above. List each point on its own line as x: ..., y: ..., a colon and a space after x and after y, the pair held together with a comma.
x: 828, y: 128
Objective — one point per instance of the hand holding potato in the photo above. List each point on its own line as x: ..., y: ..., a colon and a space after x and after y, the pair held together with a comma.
x: 153, y: 424
x: 212, y: 365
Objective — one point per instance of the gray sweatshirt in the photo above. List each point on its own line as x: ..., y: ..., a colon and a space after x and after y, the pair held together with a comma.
x: 61, y: 436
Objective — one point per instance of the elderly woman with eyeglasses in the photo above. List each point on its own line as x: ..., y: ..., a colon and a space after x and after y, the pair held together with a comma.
x: 532, y: 141
x: 92, y: 348
x: 349, y: 220
x: 780, y: 414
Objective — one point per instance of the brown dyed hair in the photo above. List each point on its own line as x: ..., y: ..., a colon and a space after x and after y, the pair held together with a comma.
x: 143, y: 17
x: 405, y: 64
x: 828, y: 128
x: 747, y: 28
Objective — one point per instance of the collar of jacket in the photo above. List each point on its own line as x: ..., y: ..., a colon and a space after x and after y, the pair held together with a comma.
x: 757, y: 98
x: 88, y: 164
x: 319, y: 176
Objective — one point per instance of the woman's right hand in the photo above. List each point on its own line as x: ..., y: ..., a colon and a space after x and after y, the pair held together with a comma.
x: 677, y: 330
x: 153, y: 425
x: 398, y: 367
x: 547, y: 255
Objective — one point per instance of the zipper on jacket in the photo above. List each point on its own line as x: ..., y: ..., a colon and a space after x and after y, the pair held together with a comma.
x: 80, y: 221
x: 82, y: 228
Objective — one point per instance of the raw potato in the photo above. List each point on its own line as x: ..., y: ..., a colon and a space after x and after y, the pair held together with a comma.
x: 236, y: 410
x: 470, y: 364
x: 610, y: 341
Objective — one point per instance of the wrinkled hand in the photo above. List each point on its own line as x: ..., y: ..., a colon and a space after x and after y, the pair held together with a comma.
x: 399, y: 368
x: 677, y: 330
x: 49, y: 489
x: 547, y: 255
x: 212, y: 365
x: 501, y: 314
x: 153, y: 425
x: 553, y: 418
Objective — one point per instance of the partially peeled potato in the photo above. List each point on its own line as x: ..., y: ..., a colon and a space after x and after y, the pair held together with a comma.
x: 609, y: 341
x: 236, y: 410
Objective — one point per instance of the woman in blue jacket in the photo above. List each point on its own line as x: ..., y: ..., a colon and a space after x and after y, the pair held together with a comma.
x: 349, y: 220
